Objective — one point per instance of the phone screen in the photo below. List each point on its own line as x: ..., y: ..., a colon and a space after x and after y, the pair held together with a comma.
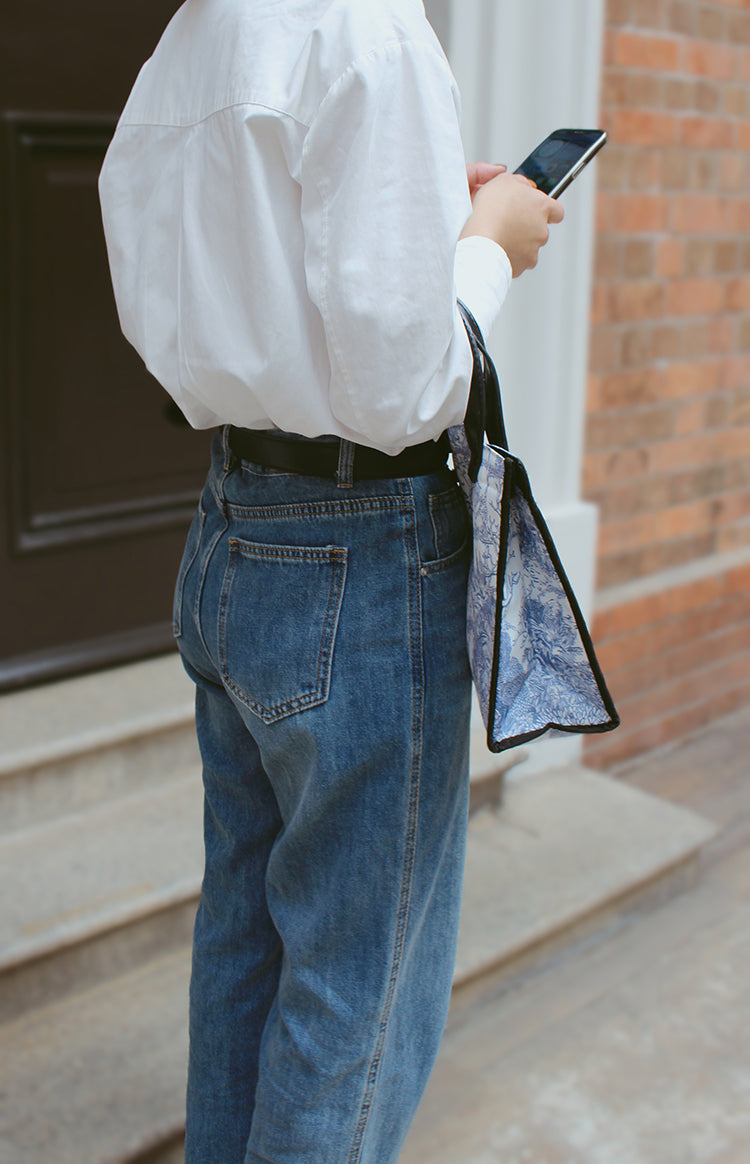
x: 558, y: 155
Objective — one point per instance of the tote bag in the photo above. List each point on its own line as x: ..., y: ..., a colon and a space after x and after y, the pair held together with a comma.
x: 531, y: 655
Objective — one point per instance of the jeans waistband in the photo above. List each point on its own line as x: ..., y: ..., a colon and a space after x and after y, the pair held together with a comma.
x: 321, y: 458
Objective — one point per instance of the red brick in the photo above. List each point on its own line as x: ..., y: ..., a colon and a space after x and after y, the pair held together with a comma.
x: 638, y: 127
x: 649, y: 13
x: 640, y: 213
x: 683, y: 341
x: 700, y: 256
x: 735, y: 100
x: 737, y: 580
x: 636, y: 50
x: 694, y: 378
x: 633, y: 387
x: 710, y: 60
x: 608, y: 257
x: 731, y: 172
x: 683, y: 16
x: 624, y: 427
x: 621, y: 465
x: 670, y: 257
x: 612, y: 167
x: 638, y: 259
x: 739, y: 27
x: 727, y: 255
x: 712, y: 24
x: 614, y: 87
x: 691, y: 417
x: 605, y: 350
x: 636, y: 347
x: 699, y: 214
x: 618, y: 11
x: 678, y: 93
x: 644, y: 169
x: 632, y: 301
x: 692, y: 655
x: 711, y: 133
x: 735, y: 373
x: 742, y: 136
x: 738, y: 294
x: 704, y: 170
x: 696, y: 297
x: 722, y: 335
x: 602, y: 751
x: 708, y: 96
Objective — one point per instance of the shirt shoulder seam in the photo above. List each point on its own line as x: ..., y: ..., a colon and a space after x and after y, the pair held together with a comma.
x: 248, y: 104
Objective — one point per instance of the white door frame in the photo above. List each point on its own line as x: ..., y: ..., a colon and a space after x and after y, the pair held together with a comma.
x: 526, y: 67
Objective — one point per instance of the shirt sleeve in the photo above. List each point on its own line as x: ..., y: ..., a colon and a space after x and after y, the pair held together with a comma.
x: 384, y: 200
x: 483, y: 277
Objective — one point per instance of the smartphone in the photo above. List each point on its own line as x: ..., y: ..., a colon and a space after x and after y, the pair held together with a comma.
x: 560, y: 158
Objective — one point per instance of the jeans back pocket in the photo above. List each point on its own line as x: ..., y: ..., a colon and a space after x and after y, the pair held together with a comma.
x: 278, y: 618
x: 449, y: 524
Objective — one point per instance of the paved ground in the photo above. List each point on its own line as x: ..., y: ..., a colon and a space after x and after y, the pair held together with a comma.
x: 633, y: 1048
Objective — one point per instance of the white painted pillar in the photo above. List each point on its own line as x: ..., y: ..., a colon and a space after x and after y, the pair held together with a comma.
x: 526, y: 67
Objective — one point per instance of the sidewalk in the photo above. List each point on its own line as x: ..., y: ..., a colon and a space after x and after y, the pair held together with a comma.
x: 634, y: 1046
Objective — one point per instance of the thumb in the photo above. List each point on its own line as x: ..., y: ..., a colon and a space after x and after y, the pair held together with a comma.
x: 556, y: 211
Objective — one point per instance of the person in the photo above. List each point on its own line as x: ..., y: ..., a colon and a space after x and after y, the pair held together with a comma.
x: 289, y: 226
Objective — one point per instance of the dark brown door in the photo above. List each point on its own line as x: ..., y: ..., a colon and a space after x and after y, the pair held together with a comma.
x: 97, y: 481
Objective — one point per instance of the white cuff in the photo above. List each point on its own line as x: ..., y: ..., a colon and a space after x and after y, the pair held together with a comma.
x: 483, y: 276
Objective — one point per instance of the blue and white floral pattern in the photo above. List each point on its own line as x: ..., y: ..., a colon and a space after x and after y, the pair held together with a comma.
x: 545, y: 678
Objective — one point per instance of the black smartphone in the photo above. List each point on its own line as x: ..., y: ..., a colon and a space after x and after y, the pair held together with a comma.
x: 555, y: 163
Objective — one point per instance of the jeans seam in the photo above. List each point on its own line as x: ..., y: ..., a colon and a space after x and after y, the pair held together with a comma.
x: 219, y: 495
x: 417, y: 659
x: 291, y: 510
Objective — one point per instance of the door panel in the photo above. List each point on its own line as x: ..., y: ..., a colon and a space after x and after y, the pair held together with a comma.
x: 97, y: 482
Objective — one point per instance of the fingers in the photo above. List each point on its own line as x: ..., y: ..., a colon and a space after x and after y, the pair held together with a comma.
x: 510, y: 209
x: 556, y: 211
x: 479, y: 173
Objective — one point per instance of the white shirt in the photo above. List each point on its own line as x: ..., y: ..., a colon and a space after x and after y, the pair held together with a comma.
x: 282, y: 201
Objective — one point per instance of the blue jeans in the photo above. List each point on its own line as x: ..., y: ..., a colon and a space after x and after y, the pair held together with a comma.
x: 324, y: 626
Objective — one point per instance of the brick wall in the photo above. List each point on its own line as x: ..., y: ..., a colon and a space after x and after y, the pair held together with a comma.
x: 668, y: 427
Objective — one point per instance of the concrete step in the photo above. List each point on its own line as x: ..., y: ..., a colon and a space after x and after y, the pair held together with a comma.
x: 68, y: 746
x: 100, y: 1077
x: 97, y: 892
x: 570, y: 850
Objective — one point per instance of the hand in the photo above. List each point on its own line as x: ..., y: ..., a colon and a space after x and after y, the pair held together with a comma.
x: 480, y: 172
x: 510, y: 210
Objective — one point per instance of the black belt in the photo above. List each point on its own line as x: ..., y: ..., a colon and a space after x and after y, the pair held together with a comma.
x: 320, y: 458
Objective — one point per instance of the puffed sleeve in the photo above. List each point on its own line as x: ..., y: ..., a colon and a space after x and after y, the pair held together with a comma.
x: 384, y: 200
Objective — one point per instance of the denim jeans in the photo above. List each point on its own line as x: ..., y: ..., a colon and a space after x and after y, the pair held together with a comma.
x: 323, y: 623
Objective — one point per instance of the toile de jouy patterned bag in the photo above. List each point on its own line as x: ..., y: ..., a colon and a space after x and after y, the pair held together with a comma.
x: 531, y: 655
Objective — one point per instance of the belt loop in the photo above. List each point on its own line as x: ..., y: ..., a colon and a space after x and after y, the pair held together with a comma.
x: 345, y: 471
x: 229, y: 457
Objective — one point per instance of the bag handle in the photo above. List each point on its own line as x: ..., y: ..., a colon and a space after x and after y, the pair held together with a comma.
x: 484, y: 411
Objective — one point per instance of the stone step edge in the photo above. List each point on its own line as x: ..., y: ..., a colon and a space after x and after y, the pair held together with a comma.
x: 579, y: 924
x: 96, y: 739
x: 107, y: 867
x: 66, y: 937
x: 54, y: 721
